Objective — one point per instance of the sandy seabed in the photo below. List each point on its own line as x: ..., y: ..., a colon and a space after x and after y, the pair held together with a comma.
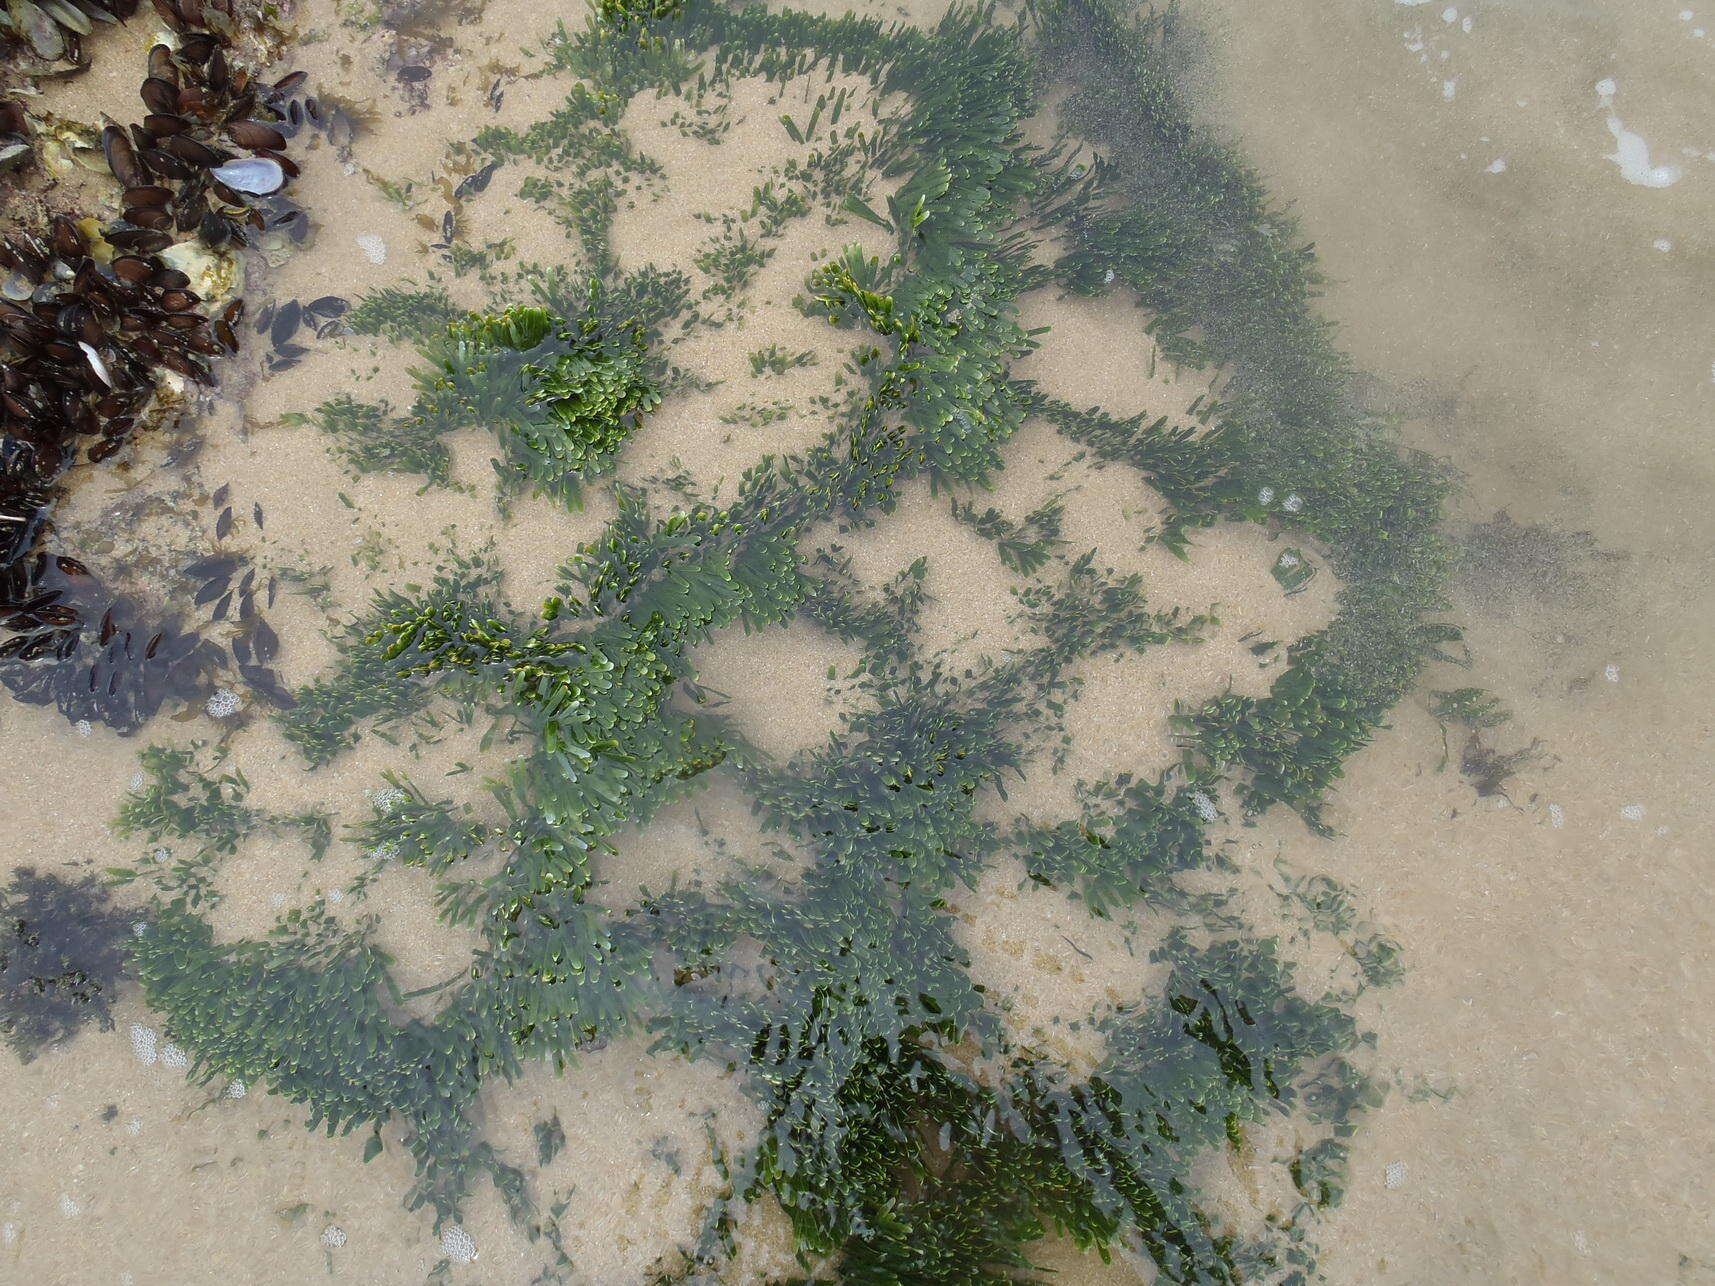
x: 1524, y: 311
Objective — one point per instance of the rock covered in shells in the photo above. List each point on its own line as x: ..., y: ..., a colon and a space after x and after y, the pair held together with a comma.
x: 103, y: 325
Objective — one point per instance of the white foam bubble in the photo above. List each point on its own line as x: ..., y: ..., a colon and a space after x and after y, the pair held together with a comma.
x: 1394, y: 1174
x: 333, y: 1236
x: 223, y: 703
x: 389, y: 799
x: 1556, y: 816
x: 458, y: 1245
x: 1497, y: 166
x: 373, y: 247
x: 143, y: 1044
x: 1631, y: 151
x: 1633, y: 812
x: 1631, y: 154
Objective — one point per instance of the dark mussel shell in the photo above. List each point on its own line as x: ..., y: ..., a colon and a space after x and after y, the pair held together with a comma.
x: 165, y: 124
x: 68, y: 238
x: 255, y: 134
x: 122, y: 158
x: 189, y: 150
x: 148, y: 197
x: 162, y: 66
x: 133, y: 269
x: 160, y: 95
x: 166, y: 164
x: 143, y: 240
x: 160, y: 220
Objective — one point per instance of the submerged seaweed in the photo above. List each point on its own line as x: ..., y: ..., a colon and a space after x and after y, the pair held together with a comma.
x: 906, y: 1134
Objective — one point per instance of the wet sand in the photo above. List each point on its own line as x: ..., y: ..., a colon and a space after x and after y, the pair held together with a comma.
x: 1524, y: 323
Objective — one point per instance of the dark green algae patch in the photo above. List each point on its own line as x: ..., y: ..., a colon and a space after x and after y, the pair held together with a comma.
x: 896, y: 1160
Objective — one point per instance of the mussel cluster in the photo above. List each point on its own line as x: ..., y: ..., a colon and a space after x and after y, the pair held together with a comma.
x: 178, y: 167
x: 53, y: 30
x: 88, y: 323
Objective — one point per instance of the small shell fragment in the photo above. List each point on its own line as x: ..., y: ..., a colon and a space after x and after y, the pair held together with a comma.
x: 96, y: 364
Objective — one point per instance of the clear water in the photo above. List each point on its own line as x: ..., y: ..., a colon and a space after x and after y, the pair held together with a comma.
x: 989, y: 827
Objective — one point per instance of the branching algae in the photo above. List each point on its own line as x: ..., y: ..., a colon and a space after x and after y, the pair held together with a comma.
x: 907, y: 1136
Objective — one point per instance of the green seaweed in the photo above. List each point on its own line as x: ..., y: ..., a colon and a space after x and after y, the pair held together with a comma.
x: 371, y: 439
x: 564, y: 391
x: 882, y: 1143
x: 1024, y: 546
x: 401, y: 313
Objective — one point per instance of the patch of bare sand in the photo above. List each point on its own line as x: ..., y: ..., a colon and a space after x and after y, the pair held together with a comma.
x: 1098, y: 352
x: 1051, y: 969
x: 970, y: 612
x: 640, y: 1166
x: 710, y: 835
x: 784, y: 688
x: 151, y: 1178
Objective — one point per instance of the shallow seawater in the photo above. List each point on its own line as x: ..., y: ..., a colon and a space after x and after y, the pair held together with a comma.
x: 803, y: 646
